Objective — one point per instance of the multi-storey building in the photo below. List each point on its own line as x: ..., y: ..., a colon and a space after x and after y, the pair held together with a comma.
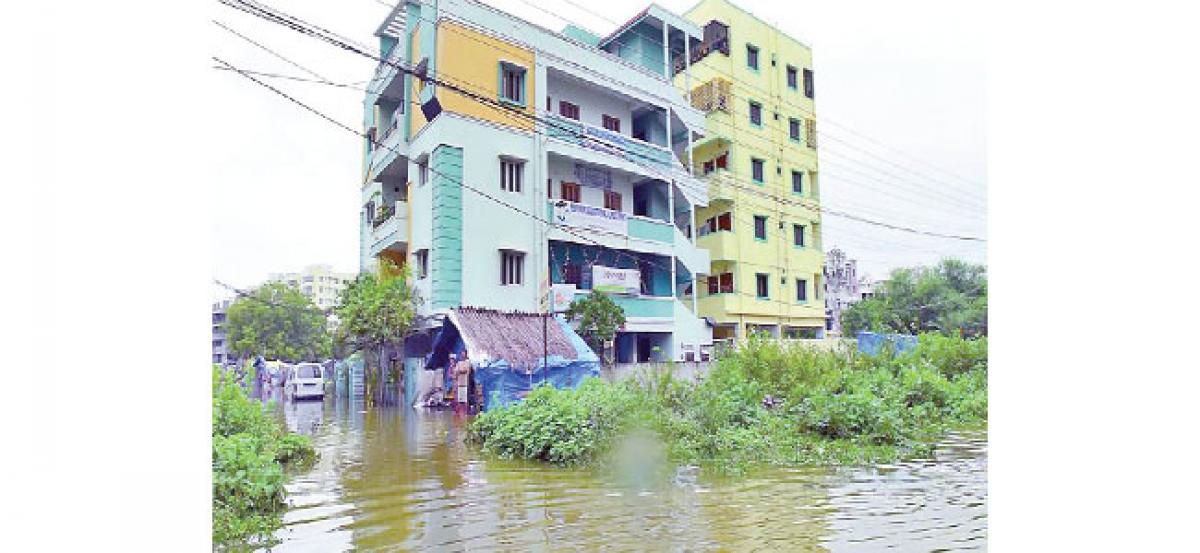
x: 762, y: 224
x: 318, y: 283
x: 843, y: 287
x: 505, y: 159
x: 220, y: 344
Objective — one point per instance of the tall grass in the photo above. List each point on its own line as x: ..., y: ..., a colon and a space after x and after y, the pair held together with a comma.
x: 765, y: 402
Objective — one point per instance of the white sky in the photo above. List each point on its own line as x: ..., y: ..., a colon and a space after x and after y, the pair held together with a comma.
x: 288, y: 191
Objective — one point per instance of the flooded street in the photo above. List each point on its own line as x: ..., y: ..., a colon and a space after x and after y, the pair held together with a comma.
x: 395, y: 479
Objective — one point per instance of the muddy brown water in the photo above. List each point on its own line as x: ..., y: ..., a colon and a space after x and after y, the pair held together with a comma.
x: 394, y: 479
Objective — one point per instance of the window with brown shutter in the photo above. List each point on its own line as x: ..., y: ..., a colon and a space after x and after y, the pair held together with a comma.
x: 727, y: 283
x: 570, y: 192
x: 725, y: 221
x: 723, y: 161
x: 568, y: 110
x: 714, y: 284
x: 612, y: 200
x: 612, y: 123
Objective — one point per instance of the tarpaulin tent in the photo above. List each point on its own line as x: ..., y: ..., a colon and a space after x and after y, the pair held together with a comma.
x: 506, y: 349
x: 872, y: 343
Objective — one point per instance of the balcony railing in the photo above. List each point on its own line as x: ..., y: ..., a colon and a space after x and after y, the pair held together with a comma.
x: 609, y: 142
x: 384, y: 213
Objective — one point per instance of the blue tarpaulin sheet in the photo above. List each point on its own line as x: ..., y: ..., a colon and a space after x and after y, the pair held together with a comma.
x: 501, y: 382
x: 872, y: 343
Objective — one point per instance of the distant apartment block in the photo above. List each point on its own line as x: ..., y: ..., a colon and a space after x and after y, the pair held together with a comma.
x: 318, y: 283
x: 220, y: 344
x: 843, y: 287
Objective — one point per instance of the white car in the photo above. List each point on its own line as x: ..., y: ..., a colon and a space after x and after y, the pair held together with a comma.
x: 305, y: 381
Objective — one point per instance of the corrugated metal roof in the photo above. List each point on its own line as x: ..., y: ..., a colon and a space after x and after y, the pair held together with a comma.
x: 511, y: 336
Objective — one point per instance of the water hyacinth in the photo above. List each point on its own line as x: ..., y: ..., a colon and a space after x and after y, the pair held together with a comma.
x: 768, y: 402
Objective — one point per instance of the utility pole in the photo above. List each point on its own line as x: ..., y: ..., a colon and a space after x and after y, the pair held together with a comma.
x: 545, y: 346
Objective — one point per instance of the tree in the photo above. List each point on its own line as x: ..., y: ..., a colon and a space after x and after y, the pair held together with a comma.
x: 376, y: 313
x: 599, y: 318
x: 950, y: 298
x: 277, y: 322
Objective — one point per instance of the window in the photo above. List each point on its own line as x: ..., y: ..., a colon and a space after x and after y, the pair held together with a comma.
x: 510, y: 175
x: 798, y: 235
x: 797, y: 182
x: 761, y: 286
x: 422, y: 261
x: 512, y: 83
x: 709, y: 166
x: 801, y: 290
x: 756, y: 114
x: 720, y: 284
x: 722, y: 222
x: 612, y: 200
x: 723, y: 160
x: 422, y: 173
x: 810, y: 128
x: 568, y: 110
x: 808, y: 83
x: 752, y: 57
x: 794, y: 129
x: 570, y: 192
x: 371, y: 213
x: 791, y: 77
x: 612, y: 123
x: 511, y: 263
x: 760, y: 227
x: 756, y: 169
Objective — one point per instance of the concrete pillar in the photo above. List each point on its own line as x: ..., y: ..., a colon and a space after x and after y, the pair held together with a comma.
x: 667, y: 51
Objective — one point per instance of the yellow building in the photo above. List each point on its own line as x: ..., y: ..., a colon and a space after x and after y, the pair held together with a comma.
x: 762, y: 225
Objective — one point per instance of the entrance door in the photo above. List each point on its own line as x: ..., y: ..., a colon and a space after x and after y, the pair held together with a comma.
x: 644, y: 344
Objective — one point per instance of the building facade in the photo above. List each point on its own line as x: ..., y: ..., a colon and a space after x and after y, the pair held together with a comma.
x: 220, y: 344
x: 762, y: 224
x: 505, y: 160
x: 843, y: 287
x: 318, y: 283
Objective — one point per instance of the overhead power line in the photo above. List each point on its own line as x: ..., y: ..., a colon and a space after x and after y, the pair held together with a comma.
x: 303, y: 27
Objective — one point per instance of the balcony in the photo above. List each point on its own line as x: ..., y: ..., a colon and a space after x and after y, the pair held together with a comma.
x: 391, y: 149
x: 721, y: 245
x: 721, y: 186
x: 605, y: 141
x: 389, y: 228
x: 641, y: 306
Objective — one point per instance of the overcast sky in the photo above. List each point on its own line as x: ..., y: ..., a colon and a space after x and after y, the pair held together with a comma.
x: 900, y: 105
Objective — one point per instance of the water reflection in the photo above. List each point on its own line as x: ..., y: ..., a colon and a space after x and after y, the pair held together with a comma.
x: 396, y: 479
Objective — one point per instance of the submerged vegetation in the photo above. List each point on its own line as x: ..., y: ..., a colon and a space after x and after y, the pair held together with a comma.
x: 250, y: 451
x: 767, y: 402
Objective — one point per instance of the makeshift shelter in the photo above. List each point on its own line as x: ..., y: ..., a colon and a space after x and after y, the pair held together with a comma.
x: 509, y: 355
x: 872, y: 343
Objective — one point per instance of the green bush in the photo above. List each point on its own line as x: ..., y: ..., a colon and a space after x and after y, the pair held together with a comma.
x: 766, y: 402
x: 250, y: 452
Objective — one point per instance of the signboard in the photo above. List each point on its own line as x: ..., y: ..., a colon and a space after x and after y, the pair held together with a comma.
x: 585, y: 216
x: 563, y: 295
x: 616, y: 281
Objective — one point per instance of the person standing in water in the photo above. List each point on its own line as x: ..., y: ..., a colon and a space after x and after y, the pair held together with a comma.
x: 462, y: 385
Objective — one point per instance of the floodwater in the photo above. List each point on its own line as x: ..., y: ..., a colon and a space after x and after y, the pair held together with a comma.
x: 394, y: 479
